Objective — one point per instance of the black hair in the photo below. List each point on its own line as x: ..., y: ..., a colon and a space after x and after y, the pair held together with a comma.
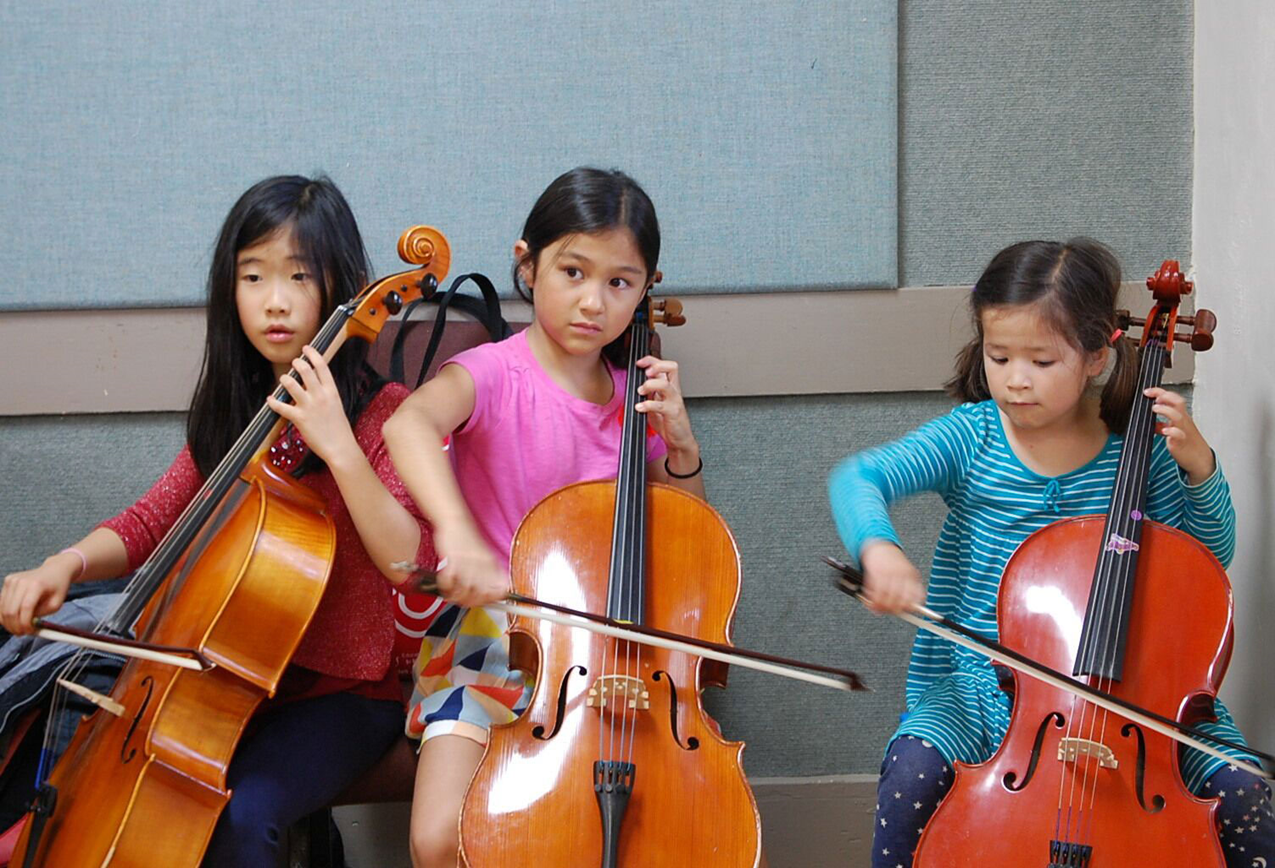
x: 583, y: 201
x: 1075, y: 285
x: 235, y: 379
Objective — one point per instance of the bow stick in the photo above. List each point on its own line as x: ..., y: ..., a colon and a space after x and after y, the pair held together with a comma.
x: 850, y: 581
x: 426, y: 581
x: 186, y: 658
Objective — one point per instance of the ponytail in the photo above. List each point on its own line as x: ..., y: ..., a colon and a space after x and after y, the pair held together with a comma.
x: 1122, y: 387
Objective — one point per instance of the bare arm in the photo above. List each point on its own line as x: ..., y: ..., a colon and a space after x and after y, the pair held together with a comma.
x: 42, y: 591
x: 469, y: 571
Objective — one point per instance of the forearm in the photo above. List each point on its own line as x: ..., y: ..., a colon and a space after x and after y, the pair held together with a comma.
x: 1209, y: 514
x: 389, y: 533
x: 859, y: 507
x: 687, y: 463
x: 426, y: 471
x: 104, y: 557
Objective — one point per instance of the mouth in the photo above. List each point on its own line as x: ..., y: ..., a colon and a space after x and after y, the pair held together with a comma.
x: 586, y: 327
x: 279, y: 334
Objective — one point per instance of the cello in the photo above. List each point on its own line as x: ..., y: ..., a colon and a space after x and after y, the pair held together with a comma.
x: 1134, y: 609
x: 615, y: 762
x: 235, y: 583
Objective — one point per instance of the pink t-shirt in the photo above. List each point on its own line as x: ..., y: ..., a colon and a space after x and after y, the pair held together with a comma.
x: 528, y: 437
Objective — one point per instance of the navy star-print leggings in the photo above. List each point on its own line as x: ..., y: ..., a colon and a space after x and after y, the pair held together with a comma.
x: 915, y: 778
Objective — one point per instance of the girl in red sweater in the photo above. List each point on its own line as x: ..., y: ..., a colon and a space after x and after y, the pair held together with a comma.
x: 289, y: 252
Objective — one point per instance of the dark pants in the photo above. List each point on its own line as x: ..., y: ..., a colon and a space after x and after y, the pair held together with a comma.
x: 296, y: 759
x: 915, y: 778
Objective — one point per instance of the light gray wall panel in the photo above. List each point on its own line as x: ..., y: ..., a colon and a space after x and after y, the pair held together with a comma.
x: 766, y: 466
x: 1042, y: 119
x: 766, y: 463
x: 60, y: 476
x: 765, y: 133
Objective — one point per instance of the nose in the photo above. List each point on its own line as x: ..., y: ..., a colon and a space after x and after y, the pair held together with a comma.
x: 591, y: 297
x: 1019, y: 377
x: 278, y: 298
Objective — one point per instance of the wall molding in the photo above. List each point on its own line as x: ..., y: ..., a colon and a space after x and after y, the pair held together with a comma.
x: 798, y: 343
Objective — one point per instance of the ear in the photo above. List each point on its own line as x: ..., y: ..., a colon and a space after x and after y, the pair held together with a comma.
x: 527, y: 271
x: 1097, y: 362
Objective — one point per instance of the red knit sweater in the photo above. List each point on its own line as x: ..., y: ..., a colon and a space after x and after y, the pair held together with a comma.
x: 352, y: 633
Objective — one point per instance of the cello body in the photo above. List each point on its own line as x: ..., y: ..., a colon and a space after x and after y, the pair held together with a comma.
x: 146, y: 788
x: 1007, y: 811
x: 532, y: 800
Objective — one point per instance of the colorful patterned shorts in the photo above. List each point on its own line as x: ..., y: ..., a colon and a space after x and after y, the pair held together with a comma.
x: 463, y: 683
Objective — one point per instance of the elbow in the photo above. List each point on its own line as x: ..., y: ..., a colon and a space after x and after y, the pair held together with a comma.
x: 843, y: 476
x: 397, y: 432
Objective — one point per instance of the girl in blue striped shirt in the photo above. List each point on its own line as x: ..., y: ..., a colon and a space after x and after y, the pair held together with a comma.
x: 1034, y: 442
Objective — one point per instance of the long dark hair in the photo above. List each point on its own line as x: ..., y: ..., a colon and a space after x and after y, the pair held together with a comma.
x: 235, y: 378
x: 586, y: 200
x: 1075, y: 285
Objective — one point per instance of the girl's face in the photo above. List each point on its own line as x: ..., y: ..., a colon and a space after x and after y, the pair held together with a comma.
x: 586, y: 287
x: 279, y: 300
x: 1036, y: 377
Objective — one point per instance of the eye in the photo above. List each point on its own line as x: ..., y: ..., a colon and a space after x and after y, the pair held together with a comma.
x: 999, y: 360
x: 1040, y: 363
x: 572, y: 272
x: 620, y: 283
x: 250, y: 278
x: 301, y: 277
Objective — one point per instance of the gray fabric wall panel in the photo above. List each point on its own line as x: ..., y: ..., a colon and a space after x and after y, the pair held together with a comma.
x: 1042, y: 118
x: 766, y: 464
x: 765, y: 133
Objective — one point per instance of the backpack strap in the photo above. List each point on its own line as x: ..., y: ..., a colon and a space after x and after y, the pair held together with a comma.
x: 485, y: 310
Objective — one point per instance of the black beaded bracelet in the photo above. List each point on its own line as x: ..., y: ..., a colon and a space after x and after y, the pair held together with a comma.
x: 693, y: 473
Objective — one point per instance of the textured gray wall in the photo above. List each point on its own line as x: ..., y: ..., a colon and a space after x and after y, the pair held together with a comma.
x: 1042, y: 119
x: 766, y: 459
x: 754, y: 126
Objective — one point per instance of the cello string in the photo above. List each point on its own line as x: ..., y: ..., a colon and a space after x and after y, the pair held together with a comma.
x: 207, y: 498
x: 1130, y: 497
x: 1105, y: 585
x: 620, y: 591
x: 633, y: 455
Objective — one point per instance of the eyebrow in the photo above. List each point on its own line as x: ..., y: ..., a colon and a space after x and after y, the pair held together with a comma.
x: 1038, y: 348
x: 253, y: 260
x: 571, y: 254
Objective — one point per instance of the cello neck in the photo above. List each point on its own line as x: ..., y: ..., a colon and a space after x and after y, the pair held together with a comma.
x: 1105, y: 634
x: 626, y: 586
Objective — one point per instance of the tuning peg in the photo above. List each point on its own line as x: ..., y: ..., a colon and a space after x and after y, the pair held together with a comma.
x: 1201, y: 335
x: 1125, y: 321
x: 669, y: 311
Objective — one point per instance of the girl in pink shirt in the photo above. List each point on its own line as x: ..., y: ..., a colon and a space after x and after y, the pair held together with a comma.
x: 288, y: 253
x: 527, y: 416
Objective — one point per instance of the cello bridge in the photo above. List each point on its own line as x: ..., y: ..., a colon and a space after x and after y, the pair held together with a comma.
x: 617, y: 688
x: 1071, y: 749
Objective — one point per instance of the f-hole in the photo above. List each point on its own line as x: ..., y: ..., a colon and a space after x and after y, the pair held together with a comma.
x: 538, y: 731
x: 149, y: 683
x: 692, y: 743
x: 1010, y: 777
x: 1157, y: 801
